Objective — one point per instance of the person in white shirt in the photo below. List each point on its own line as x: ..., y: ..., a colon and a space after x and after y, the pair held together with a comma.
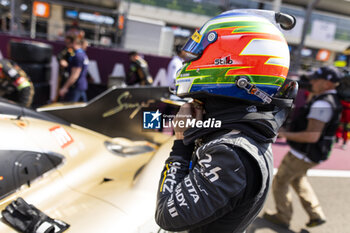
x: 310, y: 137
x: 174, y: 65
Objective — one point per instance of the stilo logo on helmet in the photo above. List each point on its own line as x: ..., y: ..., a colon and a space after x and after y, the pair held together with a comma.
x: 236, y: 44
x: 223, y: 61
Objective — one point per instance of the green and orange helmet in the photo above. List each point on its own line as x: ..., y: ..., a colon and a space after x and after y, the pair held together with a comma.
x: 240, y: 54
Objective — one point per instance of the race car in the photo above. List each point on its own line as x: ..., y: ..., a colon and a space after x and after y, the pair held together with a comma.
x: 82, y: 171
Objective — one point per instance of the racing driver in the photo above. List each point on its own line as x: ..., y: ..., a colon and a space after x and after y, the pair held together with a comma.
x: 217, y: 179
x: 15, y: 85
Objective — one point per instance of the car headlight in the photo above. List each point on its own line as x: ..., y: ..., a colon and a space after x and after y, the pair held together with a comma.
x: 125, y: 151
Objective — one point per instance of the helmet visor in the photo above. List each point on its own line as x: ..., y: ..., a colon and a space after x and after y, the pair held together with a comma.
x: 193, y: 47
x: 196, y: 44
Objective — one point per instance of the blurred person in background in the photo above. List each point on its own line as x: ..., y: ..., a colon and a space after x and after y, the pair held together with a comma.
x: 343, y: 129
x: 174, y: 65
x: 63, y: 57
x: 310, y: 137
x: 15, y: 85
x: 84, y: 44
x: 138, y: 73
x: 74, y: 88
x: 75, y: 30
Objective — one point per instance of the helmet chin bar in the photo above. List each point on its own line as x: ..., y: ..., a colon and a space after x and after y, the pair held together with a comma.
x: 244, y: 83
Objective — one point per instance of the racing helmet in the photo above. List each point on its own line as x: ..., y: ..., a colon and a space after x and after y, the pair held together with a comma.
x: 240, y: 54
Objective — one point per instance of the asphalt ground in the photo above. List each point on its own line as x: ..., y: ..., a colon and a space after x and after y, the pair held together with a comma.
x: 331, y: 182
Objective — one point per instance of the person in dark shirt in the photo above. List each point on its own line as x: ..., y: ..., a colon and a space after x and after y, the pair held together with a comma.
x: 74, y: 89
x: 15, y: 85
x: 138, y: 71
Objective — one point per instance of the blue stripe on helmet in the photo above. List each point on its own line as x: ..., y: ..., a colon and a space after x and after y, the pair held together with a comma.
x: 232, y: 90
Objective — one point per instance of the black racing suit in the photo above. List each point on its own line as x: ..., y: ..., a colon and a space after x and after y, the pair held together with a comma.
x: 15, y: 85
x: 221, y: 190
x: 139, y: 73
x: 65, y: 55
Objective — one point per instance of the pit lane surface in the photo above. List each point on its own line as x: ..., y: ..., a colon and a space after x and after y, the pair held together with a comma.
x: 330, y: 181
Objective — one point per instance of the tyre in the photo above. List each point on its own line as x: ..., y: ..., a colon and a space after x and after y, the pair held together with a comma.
x: 38, y: 73
x: 30, y: 52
